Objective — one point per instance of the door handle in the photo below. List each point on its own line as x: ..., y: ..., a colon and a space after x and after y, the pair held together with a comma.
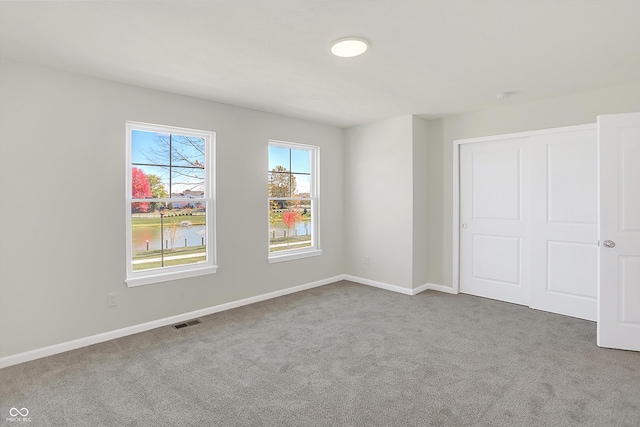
x: 609, y: 244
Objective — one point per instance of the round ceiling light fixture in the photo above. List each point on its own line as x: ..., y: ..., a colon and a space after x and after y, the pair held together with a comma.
x: 349, y: 47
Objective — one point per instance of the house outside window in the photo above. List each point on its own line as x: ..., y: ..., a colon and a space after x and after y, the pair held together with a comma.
x: 293, y: 201
x: 170, y: 203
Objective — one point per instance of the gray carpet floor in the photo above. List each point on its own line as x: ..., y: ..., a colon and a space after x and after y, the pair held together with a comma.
x: 340, y: 355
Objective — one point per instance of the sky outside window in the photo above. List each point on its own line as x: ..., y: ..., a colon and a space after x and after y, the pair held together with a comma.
x: 296, y: 161
x: 150, y: 153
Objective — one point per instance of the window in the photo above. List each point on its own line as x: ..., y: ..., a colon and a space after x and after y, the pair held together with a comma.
x: 293, y: 201
x: 170, y: 203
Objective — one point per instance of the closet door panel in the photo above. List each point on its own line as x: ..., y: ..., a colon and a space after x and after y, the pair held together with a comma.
x: 564, y: 263
x: 494, y: 213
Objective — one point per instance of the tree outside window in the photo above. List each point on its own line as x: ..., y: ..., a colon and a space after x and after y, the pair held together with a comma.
x: 170, y: 196
x: 292, y: 197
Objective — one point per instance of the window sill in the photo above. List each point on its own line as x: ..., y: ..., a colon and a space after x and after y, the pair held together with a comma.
x: 291, y: 256
x: 166, y: 276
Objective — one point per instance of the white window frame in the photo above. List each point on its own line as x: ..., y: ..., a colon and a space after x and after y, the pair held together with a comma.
x: 314, y: 166
x: 163, y: 274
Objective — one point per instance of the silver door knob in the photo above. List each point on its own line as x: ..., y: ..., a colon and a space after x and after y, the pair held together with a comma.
x: 464, y: 225
x: 609, y: 244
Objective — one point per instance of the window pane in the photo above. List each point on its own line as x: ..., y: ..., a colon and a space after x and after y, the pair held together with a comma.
x: 289, y: 224
x: 279, y: 184
x: 187, y: 151
x: 149, y: 182
x: 149, y: 147
x: 301, y: 161
x: 187, y: 182
x: 167, y: 237
x: 301, y: 185
x: 278, y: 156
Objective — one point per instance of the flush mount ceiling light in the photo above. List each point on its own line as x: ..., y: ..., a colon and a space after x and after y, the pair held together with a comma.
x: 349, y: 47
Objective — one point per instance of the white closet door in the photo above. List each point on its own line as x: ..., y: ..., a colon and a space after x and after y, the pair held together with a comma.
x: 564, y: 234
x: 494, y: 213
x: 619, y: 288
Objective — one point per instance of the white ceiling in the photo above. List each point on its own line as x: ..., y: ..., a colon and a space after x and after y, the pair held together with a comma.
x: 431, y: 58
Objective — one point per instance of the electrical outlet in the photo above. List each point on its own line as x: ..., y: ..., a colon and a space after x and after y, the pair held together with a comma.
x: 366, y: 260
x: 112, y: 299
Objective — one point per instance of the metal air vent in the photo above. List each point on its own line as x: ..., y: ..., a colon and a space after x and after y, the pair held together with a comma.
x: 188, y: 323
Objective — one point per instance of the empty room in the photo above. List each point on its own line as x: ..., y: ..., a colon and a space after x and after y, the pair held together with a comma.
x: 320, y: 213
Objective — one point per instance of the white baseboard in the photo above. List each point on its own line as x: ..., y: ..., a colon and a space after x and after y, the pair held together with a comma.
x: 27, y: 356
x: 441, y: 288
x: 377, y: 284
x: 420, y: 288
x: 399, y: 289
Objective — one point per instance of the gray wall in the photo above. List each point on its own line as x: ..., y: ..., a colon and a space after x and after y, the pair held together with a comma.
x: 62, y: 229
x: 569, y: 110
x: 379, y: 200
x: 386, y: 201
x: 386, y: 190
x: 420, y: 233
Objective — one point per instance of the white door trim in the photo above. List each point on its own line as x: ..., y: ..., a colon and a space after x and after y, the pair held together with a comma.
x: 456, y: 181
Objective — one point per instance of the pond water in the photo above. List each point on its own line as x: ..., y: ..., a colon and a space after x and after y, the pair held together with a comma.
x: 195, y: 235
x: 302, y: 228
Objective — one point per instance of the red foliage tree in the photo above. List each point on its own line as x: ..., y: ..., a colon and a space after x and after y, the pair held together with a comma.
x: 140, y: 189
x: 289, y: 218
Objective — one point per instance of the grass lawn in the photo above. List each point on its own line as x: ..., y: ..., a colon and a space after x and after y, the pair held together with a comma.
x: 158, y: 264
x: 168, y: 252
x: 284, y: 240
x: 139, y: 221
x: 142, y: 255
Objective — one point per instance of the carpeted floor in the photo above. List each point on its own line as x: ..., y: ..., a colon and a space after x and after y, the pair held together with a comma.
x: 340, y: 355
